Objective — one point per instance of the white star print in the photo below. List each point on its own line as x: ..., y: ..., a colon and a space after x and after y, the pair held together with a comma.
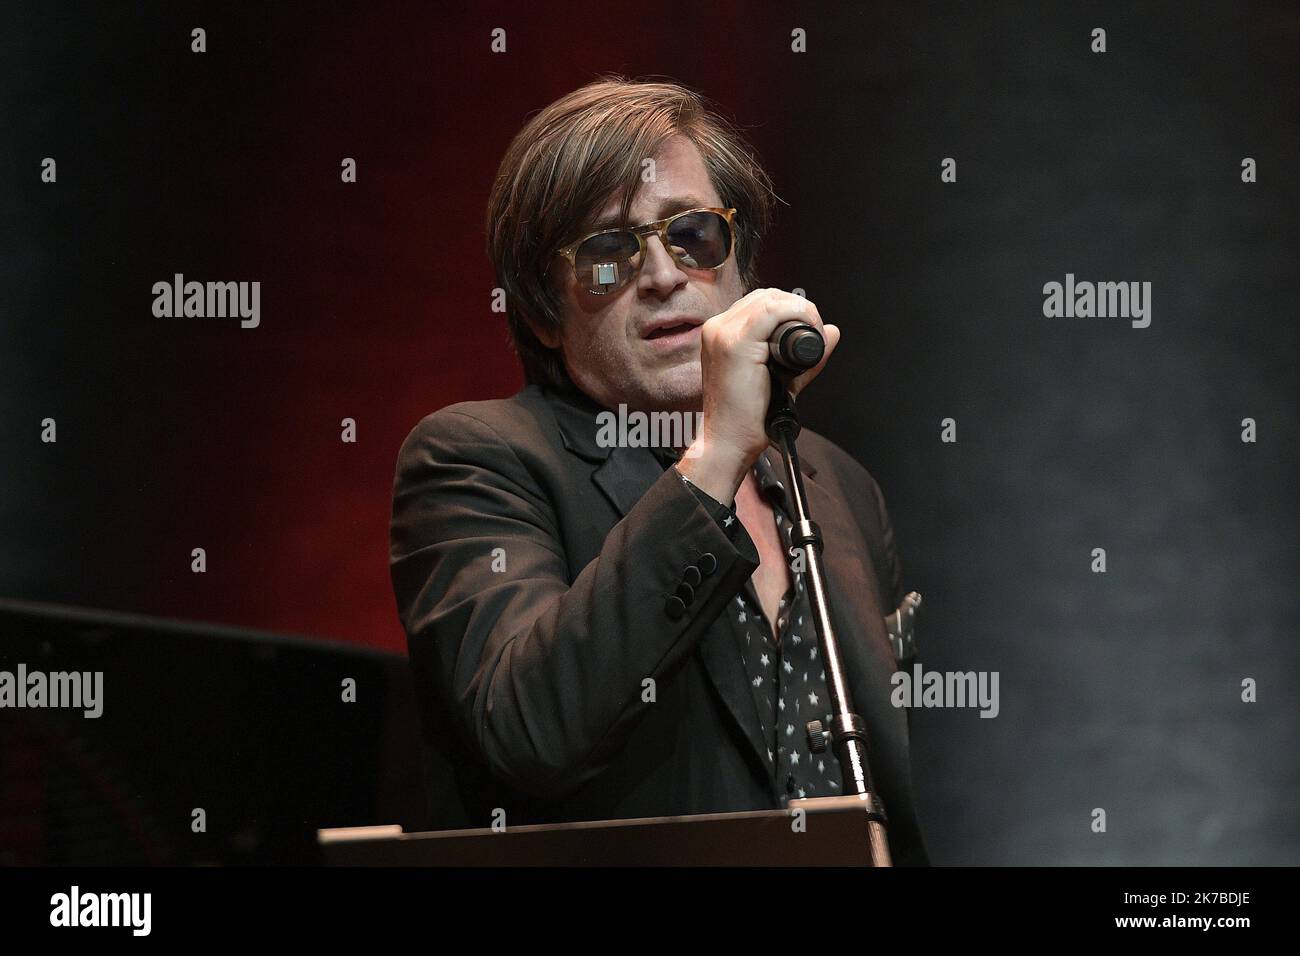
x: 764, y: 660
x: 781, y: 703
x: 812, y: 699
x: 758, y: 681
x: 741, y: 618
x: 789, y: 668
x: 726, y: 522
x: 801, y: 793
x: 821, y: 764
x: 812, y: 652
x: 796, y: 638
x: 794, y: 757
x: 789, y: 729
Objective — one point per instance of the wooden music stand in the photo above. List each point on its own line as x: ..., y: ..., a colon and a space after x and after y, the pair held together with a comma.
x: 832, y: 832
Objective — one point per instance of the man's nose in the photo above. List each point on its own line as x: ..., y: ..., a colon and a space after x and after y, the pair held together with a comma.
x: 659, y: 273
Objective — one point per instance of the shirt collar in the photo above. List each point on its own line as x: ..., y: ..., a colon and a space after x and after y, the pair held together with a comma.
x: 771, y: 480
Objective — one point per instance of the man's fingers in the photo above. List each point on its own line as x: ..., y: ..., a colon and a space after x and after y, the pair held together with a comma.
x: 776, y: 307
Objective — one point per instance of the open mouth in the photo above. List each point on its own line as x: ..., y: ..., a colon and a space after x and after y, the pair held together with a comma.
x: 671, y: 330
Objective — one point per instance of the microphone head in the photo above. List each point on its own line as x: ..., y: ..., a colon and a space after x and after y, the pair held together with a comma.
x: 806, y: 348
x: 797, y: 345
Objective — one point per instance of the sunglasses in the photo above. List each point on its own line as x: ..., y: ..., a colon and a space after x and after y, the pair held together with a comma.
x: 605, y: 261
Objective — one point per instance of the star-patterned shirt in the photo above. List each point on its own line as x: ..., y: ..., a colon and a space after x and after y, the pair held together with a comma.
x: 786, y: 676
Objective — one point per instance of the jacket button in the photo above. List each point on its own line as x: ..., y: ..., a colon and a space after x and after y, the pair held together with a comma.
x: 686, y: 593
x: 675, y: 607
x: 691, y: 575
x: 707, y: 564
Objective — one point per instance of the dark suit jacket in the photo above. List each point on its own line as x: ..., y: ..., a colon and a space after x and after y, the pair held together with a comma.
x: 532, y: 570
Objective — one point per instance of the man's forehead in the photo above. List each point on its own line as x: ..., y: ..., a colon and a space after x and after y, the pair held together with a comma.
x: 681, y: 182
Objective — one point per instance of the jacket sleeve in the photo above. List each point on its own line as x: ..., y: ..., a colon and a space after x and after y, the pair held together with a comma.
x: 545, y: 675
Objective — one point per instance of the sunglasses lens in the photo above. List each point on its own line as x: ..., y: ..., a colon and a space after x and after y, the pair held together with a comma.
x: 701, y: 240
x: 605, y: 262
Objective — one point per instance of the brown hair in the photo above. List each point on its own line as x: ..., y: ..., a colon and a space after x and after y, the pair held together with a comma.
x: 570, y: 158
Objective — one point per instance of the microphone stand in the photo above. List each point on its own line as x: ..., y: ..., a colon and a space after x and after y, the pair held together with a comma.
x: 847, y: 733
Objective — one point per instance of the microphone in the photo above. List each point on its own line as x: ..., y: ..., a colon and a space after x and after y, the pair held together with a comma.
x: 796, y: 345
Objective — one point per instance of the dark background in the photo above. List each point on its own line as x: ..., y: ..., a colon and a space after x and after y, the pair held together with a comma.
x: 1118, y: 690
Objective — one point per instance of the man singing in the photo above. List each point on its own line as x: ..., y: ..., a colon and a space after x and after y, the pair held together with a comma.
x: 609, y: 632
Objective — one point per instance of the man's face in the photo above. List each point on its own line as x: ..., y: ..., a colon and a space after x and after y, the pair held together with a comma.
x: 609, y: 348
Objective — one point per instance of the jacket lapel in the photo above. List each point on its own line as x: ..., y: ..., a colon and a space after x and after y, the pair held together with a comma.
x: 626, y: 475
x: 622, y: 474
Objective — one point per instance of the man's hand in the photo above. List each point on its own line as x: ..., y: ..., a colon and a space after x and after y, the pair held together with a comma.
x: 737, y: 386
